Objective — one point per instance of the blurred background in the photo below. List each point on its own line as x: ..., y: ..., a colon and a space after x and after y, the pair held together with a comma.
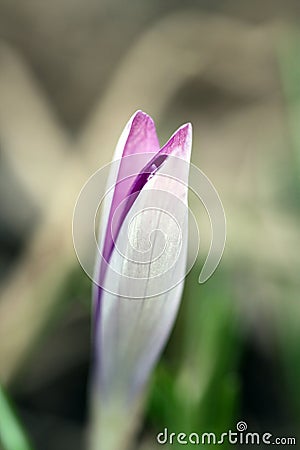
x: 71, y: 75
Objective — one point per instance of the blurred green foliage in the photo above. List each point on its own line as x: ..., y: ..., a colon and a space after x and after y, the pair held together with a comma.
x: 289, y: 69
x: 288, y: 329
x: 12, y: 435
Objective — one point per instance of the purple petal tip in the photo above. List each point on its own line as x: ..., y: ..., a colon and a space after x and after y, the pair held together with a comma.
x: 180, y: 143
x: 142, y: 137
x: 141, y: 119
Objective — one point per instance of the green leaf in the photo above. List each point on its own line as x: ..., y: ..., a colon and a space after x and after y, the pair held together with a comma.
x: 12, y: 436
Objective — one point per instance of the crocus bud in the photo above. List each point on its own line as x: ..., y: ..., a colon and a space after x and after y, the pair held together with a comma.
x: 140, y: 270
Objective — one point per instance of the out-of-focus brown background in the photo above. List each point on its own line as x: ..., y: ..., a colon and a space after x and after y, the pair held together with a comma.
x: 71, y: 74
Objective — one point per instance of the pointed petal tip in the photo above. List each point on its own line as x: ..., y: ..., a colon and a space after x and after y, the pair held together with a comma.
x: 141, y: 135
x: 180, y: 143
x: 138, y: 114
x: 188, y: 138
x: 141, y: 117
x: 142, y: 121
x: 184, y: 132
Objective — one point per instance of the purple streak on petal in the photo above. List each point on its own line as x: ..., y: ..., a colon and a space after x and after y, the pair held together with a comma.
x: 142, y: 139
x: 131, y: 185
x: 177, y: 142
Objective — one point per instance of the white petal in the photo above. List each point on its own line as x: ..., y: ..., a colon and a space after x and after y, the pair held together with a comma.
x: 144, y: 282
